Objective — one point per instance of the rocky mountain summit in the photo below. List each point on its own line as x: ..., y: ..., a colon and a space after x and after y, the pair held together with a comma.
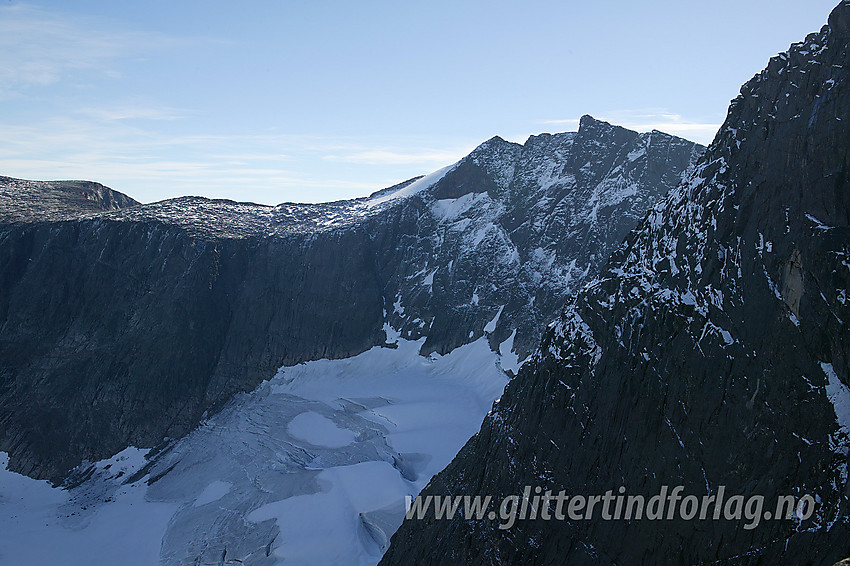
x: 711, y: 350
x: 131, y: 325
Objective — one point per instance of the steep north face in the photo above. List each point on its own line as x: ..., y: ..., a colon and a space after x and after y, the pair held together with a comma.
x: 126, y: 327
x: 712, y: 350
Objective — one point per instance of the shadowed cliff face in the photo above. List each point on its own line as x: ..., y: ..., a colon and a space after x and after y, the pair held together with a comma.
x: 127, y: 327
x: 119, y: 334
x: 710, y: 351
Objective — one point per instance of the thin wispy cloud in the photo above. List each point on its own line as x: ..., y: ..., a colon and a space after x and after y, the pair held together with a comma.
x: 151, y: 165
x: 39, y: 49
x: 160, y: 179
x: 389, y: 157
x: 180, y: 98
x: 562, y: 122
x: 132, y: 111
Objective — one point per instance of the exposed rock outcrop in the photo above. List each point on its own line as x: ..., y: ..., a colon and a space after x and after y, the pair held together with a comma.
x: 711, y: 351
x: 32, y: 201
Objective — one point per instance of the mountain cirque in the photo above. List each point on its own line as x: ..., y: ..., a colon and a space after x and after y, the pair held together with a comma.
x: 126, y: 327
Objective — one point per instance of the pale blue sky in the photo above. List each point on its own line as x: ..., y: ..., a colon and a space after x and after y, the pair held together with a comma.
x: 308, y: 101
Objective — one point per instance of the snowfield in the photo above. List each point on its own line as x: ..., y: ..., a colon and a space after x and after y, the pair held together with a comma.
x: 43, y: 525
x: 310, y: 468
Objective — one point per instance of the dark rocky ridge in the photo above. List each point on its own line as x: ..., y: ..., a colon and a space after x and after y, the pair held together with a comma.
x: 700, y: 356
x: 128, y: 326
x: 521, y: 226
x: 33, y: 201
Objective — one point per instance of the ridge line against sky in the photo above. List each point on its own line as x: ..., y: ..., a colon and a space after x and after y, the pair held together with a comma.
x: 294, y: 101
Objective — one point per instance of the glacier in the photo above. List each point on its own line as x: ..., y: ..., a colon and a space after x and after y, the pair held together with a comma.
x: 312, y: 467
